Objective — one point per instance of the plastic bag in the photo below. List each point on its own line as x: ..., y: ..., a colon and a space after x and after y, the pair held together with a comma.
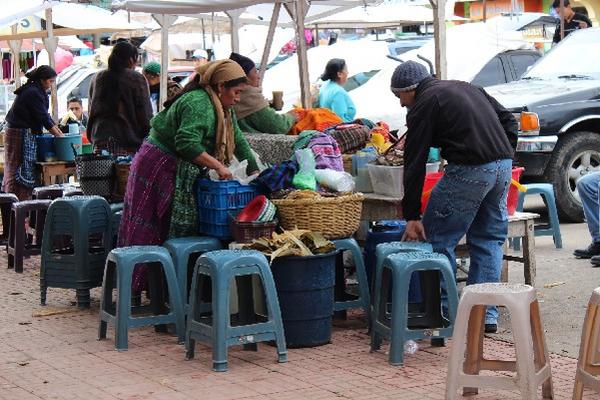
x: 335, y: 180
x: 305, y: 178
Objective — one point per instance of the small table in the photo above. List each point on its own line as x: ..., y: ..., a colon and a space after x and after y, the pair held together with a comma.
x: 48, y: 170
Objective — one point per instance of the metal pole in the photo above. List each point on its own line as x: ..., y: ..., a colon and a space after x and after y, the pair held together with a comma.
x: 298, y: 13
x: 439, y: 22
x: 484, y: 10
x: 562, y: 19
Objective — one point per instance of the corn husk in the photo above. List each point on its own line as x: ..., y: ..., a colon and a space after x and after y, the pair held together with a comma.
x: 296, y: 242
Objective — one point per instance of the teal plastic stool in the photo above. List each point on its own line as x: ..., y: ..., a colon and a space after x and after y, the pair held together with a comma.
x: 184, y: 252
x: 546, y: 190
x: 362, y: 301
x: 119, y: 268
x: 385, y: 249
x: 215, y: 327
x: 77, y: 239
x: 403, y: 326
x: 115, y: 223
x: 115, y: 207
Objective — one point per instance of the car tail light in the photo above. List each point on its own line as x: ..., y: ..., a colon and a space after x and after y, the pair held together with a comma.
x: 529, y: 124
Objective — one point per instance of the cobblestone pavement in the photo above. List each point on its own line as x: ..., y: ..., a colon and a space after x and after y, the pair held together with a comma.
x: 52, y: 353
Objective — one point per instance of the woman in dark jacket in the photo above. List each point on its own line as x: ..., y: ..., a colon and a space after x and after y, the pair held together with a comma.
x: 119, y: 105
x: 27, y: 117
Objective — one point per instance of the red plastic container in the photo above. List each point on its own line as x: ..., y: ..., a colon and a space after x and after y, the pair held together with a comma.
x: 513, y: 191
x: 432, y: 179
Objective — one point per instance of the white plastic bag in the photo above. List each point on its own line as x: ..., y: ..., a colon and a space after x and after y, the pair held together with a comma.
x: 335, y: 180
x: 238, y: 171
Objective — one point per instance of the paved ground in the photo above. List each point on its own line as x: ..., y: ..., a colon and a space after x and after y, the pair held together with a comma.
x: 52, y: 352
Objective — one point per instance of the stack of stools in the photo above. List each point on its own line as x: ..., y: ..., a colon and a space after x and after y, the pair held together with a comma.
x: 185, y: 251
x: 532, y: 365
x: 118, y: 273
x: 212, y: 323
x: 430, y: 323
x: 546, y: 190
x: 342, y: 301
x: 72, y: 257
x: 6, y: 201
x: 20, y: 245
x: 588, y: 366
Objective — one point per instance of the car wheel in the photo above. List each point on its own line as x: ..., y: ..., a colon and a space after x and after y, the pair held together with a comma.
x: 576, y: 154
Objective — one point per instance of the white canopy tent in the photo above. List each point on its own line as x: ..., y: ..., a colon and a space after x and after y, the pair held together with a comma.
x: 80, y: 16
x: 165, y: 10
x: 14, y: 11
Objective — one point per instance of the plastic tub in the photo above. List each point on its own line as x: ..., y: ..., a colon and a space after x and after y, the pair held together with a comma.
x: 245, y: 232
x: 512, y: 199
x: 387, y: 180
x: 64, y: 146
x: 305, y: 288
x: 45, y: 146
x: 513, y: 192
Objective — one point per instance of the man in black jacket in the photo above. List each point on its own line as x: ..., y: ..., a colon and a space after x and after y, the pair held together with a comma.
x: 477, y: 137
x: 573, y: 20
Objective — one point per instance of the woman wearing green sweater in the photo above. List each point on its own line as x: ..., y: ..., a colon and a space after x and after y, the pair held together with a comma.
x: 253, y: 111
x: 195, y: 130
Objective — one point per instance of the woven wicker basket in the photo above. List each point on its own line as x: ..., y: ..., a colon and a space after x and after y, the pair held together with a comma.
x: 347, y: 158
x: 334, y: 217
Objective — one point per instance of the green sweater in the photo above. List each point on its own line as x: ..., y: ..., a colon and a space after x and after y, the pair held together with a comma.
x: 187, y: 129
x: 267, y: 120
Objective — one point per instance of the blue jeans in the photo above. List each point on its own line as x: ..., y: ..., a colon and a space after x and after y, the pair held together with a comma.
x: 589, y: 188
x: 471, y: 200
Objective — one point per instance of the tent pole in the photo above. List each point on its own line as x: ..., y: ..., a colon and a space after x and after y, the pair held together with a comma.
x: 269, y: 43
x: 203, y: 34
x: 562, y: 19
x: 484, y: 11
x: 439, y: 23
x: 298, y: 13
x: 165, y: 21
x: 15, y: 48
x: 234, y: 17
x: 51, y: 42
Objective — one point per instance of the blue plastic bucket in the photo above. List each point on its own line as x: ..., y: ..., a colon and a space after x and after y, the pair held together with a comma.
x: 305, y: 287
x: 65, y: 145
x: 45, y: 146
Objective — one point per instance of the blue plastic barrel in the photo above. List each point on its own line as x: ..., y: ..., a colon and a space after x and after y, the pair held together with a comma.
x: 305, y: 287
x: 45, y: 146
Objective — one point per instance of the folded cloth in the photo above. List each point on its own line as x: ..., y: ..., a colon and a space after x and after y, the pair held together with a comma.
x: 350, y: 137
x: 327, y: 152
x: 278, y: 177
x: 317, y: 119
x: 304, y: 139
x: 25, y: 174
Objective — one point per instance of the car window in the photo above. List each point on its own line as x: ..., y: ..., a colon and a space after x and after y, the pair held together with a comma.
x: 491, y: 74
x: 83, y: 89
x: 521, y: 62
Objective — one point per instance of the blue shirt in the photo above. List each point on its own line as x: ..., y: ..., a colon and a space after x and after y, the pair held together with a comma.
x: 335, y: 97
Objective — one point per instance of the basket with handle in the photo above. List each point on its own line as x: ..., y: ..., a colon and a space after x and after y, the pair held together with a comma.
x: 334, y: 217
x: 95, y: 173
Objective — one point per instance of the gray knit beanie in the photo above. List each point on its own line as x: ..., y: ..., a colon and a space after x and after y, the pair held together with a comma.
x: 408, y: 75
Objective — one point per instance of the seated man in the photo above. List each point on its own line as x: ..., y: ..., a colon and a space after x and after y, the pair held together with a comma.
x: 74, y: 115
x: 253, y: 112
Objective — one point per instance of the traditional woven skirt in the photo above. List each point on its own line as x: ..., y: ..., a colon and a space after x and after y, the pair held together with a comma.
x: 13, y: 157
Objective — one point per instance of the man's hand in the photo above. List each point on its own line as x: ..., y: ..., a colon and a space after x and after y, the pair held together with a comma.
x: 415, y: 232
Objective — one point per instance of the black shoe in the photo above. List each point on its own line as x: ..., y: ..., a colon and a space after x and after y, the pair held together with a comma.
x: 438, y: 342
x: 491, y: 328
x: 592, y: 250
x: 595, y: 260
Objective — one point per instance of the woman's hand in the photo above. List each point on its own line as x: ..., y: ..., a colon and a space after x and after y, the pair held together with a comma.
x: 55, y: 130
x: 415, y: 232
x: 224, y: 173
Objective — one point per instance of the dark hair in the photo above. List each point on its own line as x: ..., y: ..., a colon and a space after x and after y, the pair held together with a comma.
x: 556, y: 3
x: 121, y: 56
x: 75, y: 100
x: 194, y: 84
x: 37, y: 75
x: 332, y: 68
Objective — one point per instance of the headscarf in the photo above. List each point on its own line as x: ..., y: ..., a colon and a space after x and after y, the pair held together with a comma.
x: 211, y: 74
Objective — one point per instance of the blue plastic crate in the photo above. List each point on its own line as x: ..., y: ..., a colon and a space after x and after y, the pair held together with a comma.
x: 215, y: 199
